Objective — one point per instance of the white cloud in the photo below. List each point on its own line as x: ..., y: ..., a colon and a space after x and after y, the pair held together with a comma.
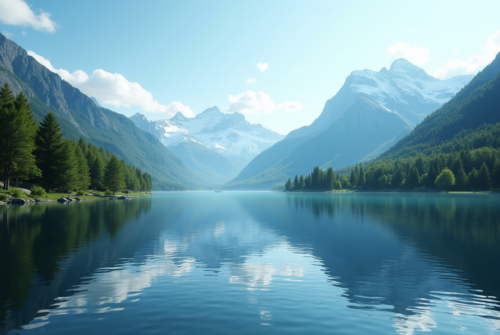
x: 114, y: 89
x: 262, y: 66
x: 19, y: 13
x: 474, y: 64
x: 417, y: 55
x: 251, y: 102
x: 251, y: 81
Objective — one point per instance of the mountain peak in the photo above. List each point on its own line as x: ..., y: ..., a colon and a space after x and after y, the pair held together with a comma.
x: 178, y: 117
x: 139, y: 116
x: 211, y: 111
x: 402, y: 65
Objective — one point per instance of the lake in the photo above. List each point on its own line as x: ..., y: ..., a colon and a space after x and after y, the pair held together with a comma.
x: 253, y: 263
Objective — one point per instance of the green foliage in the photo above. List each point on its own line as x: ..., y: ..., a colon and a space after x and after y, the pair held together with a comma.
x: 445, y: 180
x: 3, y: 197
x: 288, y: 185
x: 484, y: 181
x: 113, y: 175
x: 67, y: 178
x: 16, y: 137
x: 83, y: 170
x: 16, y: 193
x: 108, y: 192
x: 37, y: 191
x: 468, y: 121
x: 49, y: 147
x: 80, y: 193
x: 495, y: 178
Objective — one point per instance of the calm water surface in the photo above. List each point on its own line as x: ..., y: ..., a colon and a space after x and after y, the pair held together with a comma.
x: 253, y: 262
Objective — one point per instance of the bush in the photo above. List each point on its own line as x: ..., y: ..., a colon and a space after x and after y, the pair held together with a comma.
x: 16, y: 193
x: 3, y: 197
x: 108, y: 192
x: 37, y: 191
x: 80, y: 193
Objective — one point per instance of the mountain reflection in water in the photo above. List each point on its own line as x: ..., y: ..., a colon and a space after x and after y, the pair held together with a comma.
x: 250, y: 262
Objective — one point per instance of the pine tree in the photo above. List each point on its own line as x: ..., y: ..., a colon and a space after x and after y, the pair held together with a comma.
x: 49, y: 146
x: 113, y: 175
x: 484, y: 182
x: 17, y: 133
x: 83, y: 169
x: 461, y: 180
x: 315, y: 178
x: 398, y: 178
x: 96, y: 172
x: 473, y: 180
x: 457, y: 165
x: 288, y: 185
x: 296, y: 185
x: 302, y: 182
x: 352, y: 179
x: 67, y: 177
x: 140, y: 178
x: 419, y: 164
x: 413, y: 178
x: 148, y: 181
x: 495, y: 177
x: 432, y: 174
x: 361, y: 177
x: 329, y: 179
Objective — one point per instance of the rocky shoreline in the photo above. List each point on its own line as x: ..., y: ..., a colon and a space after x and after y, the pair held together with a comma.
x: 63, y: 200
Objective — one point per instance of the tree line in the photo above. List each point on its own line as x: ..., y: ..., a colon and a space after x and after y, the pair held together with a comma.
x: 40, y: 154
x: 467, y: 170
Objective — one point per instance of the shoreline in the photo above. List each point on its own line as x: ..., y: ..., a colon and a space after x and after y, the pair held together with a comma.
x: 495, y: 192
x: 57, y: 198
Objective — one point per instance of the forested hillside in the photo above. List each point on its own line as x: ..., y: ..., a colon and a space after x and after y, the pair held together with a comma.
x: 79, y: 117
x: 470, y: 120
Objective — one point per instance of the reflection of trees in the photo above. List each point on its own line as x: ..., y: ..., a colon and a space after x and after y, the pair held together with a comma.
x: 461, y: 229
x: 35, y: 239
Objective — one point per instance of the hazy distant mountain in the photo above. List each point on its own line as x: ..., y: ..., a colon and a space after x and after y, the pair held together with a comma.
x: 229, y: 135
x: 371, y: 112
x: 215, y: 167
x: 81, y: 117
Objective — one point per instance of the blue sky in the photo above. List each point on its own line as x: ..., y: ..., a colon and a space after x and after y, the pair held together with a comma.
x: 157, y: 57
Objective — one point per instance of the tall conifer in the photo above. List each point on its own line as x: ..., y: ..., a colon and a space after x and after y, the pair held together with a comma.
x: 67, y: 177
x: 16, y: 136
x: 49, y: 146
x: 83, y: 169
x: 113, y: 175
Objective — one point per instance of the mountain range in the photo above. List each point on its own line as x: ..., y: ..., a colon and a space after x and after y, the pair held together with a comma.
x: 370, y: 113
x: 470, y: 120
x: 79, y: 116
x: 213, y: 143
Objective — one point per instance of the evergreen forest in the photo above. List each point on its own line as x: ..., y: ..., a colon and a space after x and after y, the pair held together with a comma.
x: 40, y: 155
x: 467, y: 170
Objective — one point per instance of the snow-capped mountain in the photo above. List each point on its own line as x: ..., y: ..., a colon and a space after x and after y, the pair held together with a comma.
x: 371, y: 112
x: 404, y: 89
x: 227, y: 134
x: 167, y: 131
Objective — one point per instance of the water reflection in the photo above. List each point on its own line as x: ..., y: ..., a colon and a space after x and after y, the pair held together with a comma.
x: 311, y: 263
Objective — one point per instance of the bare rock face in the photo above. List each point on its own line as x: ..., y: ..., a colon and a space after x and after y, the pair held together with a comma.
x: 47, y: 85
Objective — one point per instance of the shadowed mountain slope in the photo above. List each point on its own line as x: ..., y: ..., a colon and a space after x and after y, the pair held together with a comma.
x: 81, y: 117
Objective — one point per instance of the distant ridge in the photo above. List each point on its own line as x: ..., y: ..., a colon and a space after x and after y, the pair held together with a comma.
x: 377, y: 109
